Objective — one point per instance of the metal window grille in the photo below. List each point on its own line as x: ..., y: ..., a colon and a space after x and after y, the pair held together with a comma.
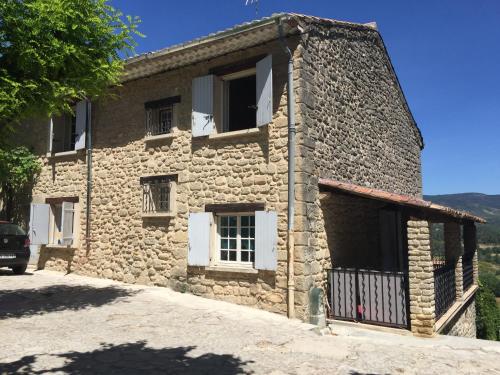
x: 159, y: 120
x: 155, y: 194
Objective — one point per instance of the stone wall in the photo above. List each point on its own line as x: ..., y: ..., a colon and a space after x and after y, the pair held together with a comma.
x: 355, y: 127
x: 127, y: 247
x: 421, y: 279
x: 356, y: 120
x: 463, y: 323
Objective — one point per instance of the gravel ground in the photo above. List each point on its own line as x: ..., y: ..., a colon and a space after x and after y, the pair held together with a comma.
x: 54, y: 323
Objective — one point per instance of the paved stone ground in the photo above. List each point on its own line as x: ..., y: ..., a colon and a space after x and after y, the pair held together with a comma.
x: 52, y: 323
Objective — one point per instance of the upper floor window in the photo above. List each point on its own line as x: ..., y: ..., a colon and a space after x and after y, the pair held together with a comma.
x: 239, y: 101
x: 158, y: 194
x: 67, y: 131
x: 234, y: 99
x: 161, y: 116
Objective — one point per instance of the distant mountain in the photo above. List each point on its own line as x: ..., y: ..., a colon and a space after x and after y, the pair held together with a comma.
x: 483, y: 205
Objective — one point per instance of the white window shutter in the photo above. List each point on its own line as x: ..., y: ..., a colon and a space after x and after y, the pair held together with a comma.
x: 81, y: 124
x: 265, y: 91
x: 39, y: 224
x: 67, y: 220
x: 51, y: 135
x: 266, y: 239
x: 203, y: 106
x: 199, y: 228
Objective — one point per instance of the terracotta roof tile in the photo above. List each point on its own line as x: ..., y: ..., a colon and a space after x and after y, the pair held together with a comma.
x: 405, y: 200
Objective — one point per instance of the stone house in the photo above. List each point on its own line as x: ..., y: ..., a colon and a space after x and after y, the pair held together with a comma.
x: 182, y: 178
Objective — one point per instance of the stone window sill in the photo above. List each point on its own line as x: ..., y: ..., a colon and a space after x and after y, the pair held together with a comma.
x: 157, y: 215
x: 237, y: 133
x: 61, y: 247
x: 232, y: 269
x: 159, y: 137
x: 450, y: 314
x: 62, y: 154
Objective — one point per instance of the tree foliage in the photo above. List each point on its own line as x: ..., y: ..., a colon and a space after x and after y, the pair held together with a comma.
x: 18, y: 169
x: 55, y: 51
x: 487, y: 315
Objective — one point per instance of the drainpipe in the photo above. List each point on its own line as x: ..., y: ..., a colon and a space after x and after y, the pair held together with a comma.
x: 291, y: 172
x: 89, y: 173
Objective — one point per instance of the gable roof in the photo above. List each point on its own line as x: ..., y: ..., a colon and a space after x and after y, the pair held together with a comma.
x: 239, y: 37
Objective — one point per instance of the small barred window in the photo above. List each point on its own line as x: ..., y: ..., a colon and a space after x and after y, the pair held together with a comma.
x: 156, y: 194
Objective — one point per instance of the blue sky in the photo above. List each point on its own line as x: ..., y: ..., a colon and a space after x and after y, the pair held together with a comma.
x: 446, y: 54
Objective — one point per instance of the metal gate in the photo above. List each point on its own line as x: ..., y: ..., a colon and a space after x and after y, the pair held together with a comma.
x: 375, y: 297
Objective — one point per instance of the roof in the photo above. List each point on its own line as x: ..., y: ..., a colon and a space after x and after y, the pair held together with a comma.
x: 234, y: 38
x: 239, y: 37
x: 399, y: 199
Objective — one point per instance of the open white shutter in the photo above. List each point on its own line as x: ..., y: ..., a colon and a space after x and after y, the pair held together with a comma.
x: 51, y: 136
x: 266, y: 238
x: 67, y: 220
x: 39, y: 224
x: 265, y: 91
x: 199, y: 228
x: 81, y: 124
x: 203, y: 106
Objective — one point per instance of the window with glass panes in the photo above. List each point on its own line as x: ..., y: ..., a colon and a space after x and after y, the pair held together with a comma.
x: 237, y: 238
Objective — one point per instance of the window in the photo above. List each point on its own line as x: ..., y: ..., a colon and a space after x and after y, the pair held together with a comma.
x: 158, y: 194
x: 239, y: 101
x: 159, y: 121
x: 161, y: 116
x: 233, y: 98
x: 64, y: 133
x: 237, y: 238
x: 62, y: 224
x: 67, y: 131
x: 247, y: 240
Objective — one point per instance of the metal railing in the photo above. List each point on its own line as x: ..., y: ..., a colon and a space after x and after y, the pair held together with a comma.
x: 444, y: 287
x: 468, y: 270
x: 375, y: 297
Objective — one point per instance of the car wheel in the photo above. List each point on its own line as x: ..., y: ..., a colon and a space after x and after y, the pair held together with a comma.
x: 19, y: 270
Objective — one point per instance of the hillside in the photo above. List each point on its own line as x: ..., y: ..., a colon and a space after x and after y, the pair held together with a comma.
x: 486, y: 206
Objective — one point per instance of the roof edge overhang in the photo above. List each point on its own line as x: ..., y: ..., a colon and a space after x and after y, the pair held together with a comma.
x: 415, y: 203
x: 233, y: 39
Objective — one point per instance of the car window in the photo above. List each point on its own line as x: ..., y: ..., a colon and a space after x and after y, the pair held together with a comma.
x: 11, y: 229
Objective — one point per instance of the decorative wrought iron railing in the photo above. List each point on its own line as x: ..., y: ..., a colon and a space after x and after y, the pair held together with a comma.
x: 375, y: 297
x: 444, y: 287
x: 468, y: 270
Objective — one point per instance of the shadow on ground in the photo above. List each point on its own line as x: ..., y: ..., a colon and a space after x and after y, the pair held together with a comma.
x: 8, y: 272
x: 131, y: 358
x: 19, y: 303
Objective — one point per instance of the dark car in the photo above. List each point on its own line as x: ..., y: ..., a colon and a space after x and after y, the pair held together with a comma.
x: 14, y: 247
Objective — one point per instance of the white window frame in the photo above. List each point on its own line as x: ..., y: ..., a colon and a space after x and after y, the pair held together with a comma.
x: 223, y: 121
x: 216, y: 256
